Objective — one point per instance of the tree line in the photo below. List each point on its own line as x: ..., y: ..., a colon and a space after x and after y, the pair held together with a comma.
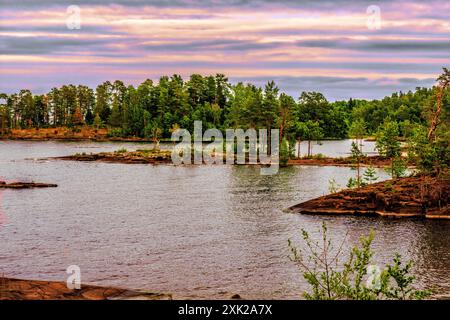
x: 155, y: 110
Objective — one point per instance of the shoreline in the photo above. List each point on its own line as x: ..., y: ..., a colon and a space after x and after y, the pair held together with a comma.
x: 22, y: 289
x: 26, y: 185
x: 412, y: 197
x: 85, y: 133
x: 27, y: 289
x: 368, y: 161
x: 150, y: 156
x: 142, y: 156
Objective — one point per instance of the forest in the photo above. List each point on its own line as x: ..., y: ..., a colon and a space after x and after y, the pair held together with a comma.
x: 154, y: 110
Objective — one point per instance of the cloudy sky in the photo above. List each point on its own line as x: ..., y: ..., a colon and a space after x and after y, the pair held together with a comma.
x: 334, y: 47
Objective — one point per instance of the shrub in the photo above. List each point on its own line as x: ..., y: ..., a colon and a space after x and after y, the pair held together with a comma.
x: 116, y: 132
x: 121, y: 150
x: 354, y: 279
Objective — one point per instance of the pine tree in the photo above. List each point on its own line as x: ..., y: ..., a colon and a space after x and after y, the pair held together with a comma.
x: 357, y: 156
x: 369, y: 176
x: 97, y: 121
x: 77, y: 117
x: 388, y: 145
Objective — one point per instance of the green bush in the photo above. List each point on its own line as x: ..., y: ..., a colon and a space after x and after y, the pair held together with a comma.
x: 355, y: 279
x: 116, y: 133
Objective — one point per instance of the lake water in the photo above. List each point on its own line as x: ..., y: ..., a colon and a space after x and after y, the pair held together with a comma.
x: 194, y: 231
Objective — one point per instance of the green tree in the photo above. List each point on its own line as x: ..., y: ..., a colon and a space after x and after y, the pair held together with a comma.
x: 314, y: 132
x: 356, y: 156
x: 285, y: 118
x: 89, y: 118
x: 5, y: 116
x: 40, y: 111
x: 103, y: 100
x: 285, y: 152
x: 269, y: 110
x: 388, y: 145
x: 97, y: 123
x: 86, y: 102
x: 369, y: 176
x: 357, y: 131
x: 118, y: 92
x: 77, y: 117
x: 153, y: 131
x: 301, y: 134
x: 430, y: 157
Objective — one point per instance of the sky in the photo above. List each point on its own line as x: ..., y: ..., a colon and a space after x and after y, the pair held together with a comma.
x: 342, y: 48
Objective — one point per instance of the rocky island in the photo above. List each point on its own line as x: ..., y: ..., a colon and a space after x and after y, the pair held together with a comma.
x: 26, y: 185
x: 155, y: 156
x: 140, y: 156
x: 419, y: 196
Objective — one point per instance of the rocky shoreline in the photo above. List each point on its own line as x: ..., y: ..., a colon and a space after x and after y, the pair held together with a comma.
x: 26, y: 185
x: 66, y: 134
x: 372, y: 161
x: 150, y: 156
x: 419, y: 197
x: 127, y: 157
x: 18, y: 289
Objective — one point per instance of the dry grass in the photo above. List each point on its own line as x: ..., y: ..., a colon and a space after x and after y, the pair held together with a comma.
x: 58, y: 133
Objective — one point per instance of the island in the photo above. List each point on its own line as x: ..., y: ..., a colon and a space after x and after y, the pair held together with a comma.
x: 25, y: 185
x: 140, y: 156
x: 416, y: 196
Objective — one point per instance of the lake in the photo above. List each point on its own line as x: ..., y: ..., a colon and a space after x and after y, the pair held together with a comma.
x: 194, y: 231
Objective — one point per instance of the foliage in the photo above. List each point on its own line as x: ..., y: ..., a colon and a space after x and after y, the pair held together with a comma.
x: 352, y: 183
x: 430, y: 157
x: 354, y: 279
x: 357, y: 129
x: 388, y: 146
x: 387, y: 142
x: 369, y: 176
x: 398, y: 167
x: 286, y: 152
x: 97, y: 122
x: 121, y: 150
x: 333, y: 186
x: 116, y: 133
x: 356, y: 155
x: 172, y: 101
x: 396, y: 282
x: 309, y: 130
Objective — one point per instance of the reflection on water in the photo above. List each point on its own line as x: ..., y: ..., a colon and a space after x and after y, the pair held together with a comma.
x: 195, y: 231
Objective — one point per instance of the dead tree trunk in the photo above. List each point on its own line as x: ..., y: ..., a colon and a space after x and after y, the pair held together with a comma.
x: 444, y: 81
x: 437, y: 114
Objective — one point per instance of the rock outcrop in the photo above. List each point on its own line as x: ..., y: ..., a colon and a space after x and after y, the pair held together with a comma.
x: 16, y: 289
x: 424, y: 197
x: 137, y: 157
x: 25, y: 185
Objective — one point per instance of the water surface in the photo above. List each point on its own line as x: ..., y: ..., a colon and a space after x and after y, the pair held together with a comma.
x: 194, y: 231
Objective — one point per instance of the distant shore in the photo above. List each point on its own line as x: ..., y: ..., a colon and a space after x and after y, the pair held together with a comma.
x: 66, y: 134
x: 85, y: 133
